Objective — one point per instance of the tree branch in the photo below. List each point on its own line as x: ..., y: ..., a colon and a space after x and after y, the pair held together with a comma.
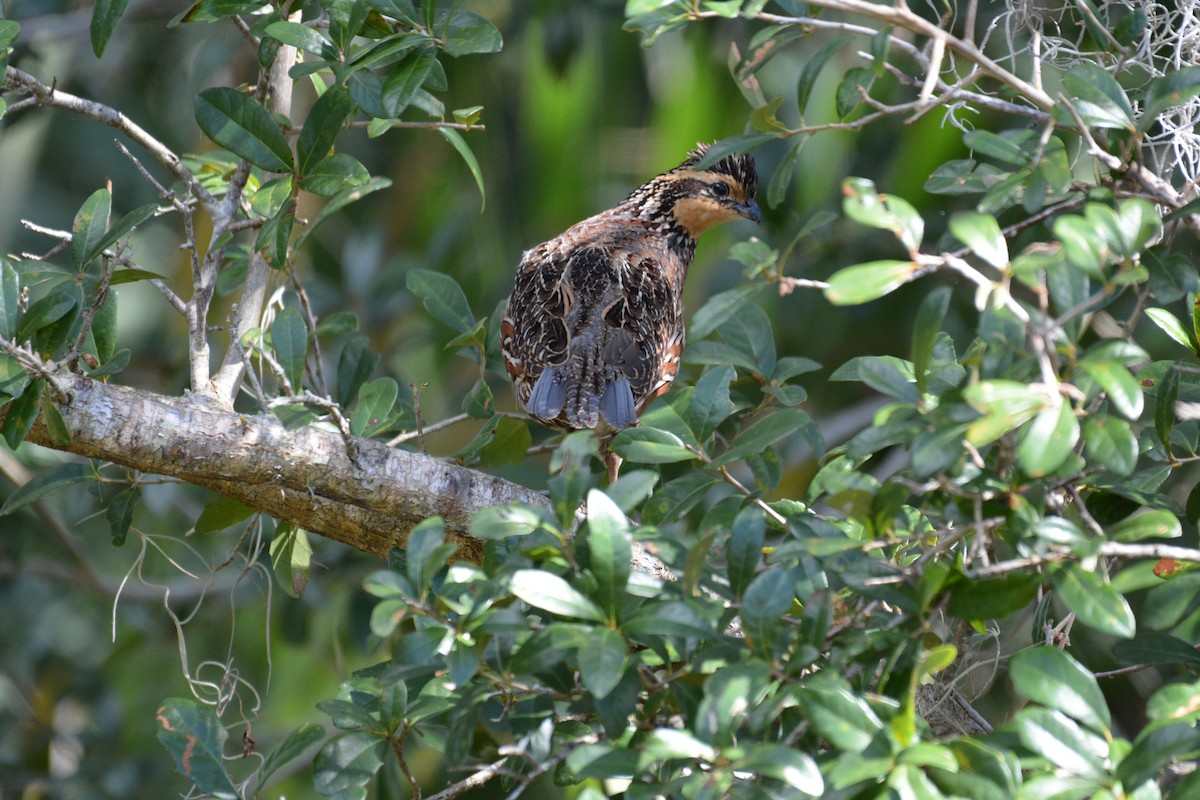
x: 367, y: 495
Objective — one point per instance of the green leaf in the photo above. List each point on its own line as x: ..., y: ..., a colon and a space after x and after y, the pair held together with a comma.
x: 276, y: 232
x: 322, y: 127
x: 1048, y: 439
x: 862, y: 283
x: 670, y: 743
x: 1005, y: 147
x: 1157, y: 648
x: 928, y: 324
x: 602, y: 661
x: 291, y: 748
x: 812, y: 69
x: 745, y: 548
x: 192, y: 733
x: 426, y: 551
x: 119, y: 230
x: 241, y: 125
x: 1164, y: 406
x: 355, y: 365
x: 443, y: 298
x: 1122, y: 388
x: 10, y: 298
x: 749, y: 332
x: 650, y: 446
x: 500, y: 522
x: 339, y: 201
x: 1049, y: 676
x: 549, y: 592
x: 671, y: 619
x: 105, y: 15
x: 609, y: 554
x: 849, y: 94
x: 1096, y: 97
x: 510, y: 442
x: 993, y: 598
x: 766, y: 599
x: 8, y: 33
x: 1005, y: 405
x: 47, y: 482
x: 336, y: 173
x: 91, y: 222
x: 1156, y: 747
x: 1153, y: 524
x: 1082, y: 244
x: 1111, y: 443
x: 466, y: 33
x: 1064, y: 744
x: 291, y: 558
x: 1095, y: 602
x: 839, y: 716
x: 55, y: 425
x: 119, y: 513
x: 372, y: 412
x: 786, y: 764
x: 710, y: 404
x: 19, y: 417
x: 301, y: 37
x: 1170, y: 90
x: 221, y: 514
x: 884, y: 375
x: 1171, y: 326
x: 348, y: 762
x: 403, y: 82
x: 464, y: 150
x: 864, y: 205
x: 763, y: 433
x: 289, y: 339
x: 981, y: 233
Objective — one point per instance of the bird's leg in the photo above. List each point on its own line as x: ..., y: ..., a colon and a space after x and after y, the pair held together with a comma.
x: 613, y: 462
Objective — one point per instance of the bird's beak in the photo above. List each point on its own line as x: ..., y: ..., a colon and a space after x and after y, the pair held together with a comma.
x: 749, y: 210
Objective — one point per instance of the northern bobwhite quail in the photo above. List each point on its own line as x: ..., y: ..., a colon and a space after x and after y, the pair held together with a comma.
x: 593, y: 330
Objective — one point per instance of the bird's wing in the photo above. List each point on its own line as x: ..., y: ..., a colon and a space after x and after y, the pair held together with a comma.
x: 533, y: 333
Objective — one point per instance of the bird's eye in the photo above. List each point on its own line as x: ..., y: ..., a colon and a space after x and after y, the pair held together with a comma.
x: 719, y: 189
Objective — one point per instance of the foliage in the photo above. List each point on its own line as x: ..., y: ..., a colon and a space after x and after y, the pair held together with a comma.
x: 949, y: 600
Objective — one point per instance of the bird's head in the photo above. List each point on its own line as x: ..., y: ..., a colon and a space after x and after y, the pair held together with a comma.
x: 700, y: 199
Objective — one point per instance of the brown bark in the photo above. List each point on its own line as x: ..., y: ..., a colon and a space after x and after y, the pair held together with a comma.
x: 359, y: 491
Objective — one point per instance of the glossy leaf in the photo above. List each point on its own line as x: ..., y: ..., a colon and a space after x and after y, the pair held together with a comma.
x: 1095, y: 602
x: 289, y: 339
x: 1171, y: 326
x: 47, y: 482
x: 372, y: 413
x: 549, y: 592
x: 1156, y: 747
x: 928, y: 324
x: 241, y: 125
x: 333, y: 174
x: 1005, y: 405
x: 839, y: 716
x: 348, y: 762
x: 291, y: 748
x: 221, y: 513
x: 1157, y: 648
x: 322, y: 127
x: 650, y: 446
x: 20, y: 415
x: 745, y: 548
x: 764, y: 433
x: 1052, y: 678
x: 1153, y: 524
x: 1110, y: 442
x: 443, y: 298
x: 105, y: 16
x: 1057, y: 738
x: 602, y: 661
x: 291, y: 558
x: 981, y: 233
x: 1170, y: 90
x: 609, y: 553
x: 862, y: 283
x: 119, y: 230
x: 192, y: 733
x: 785, y: 764
x: 1097, y: 97
x: 91, y: 223
x: 1048, y: 439
x: 864, y: 205
x: 464, y: 151
x: 1122, y: 389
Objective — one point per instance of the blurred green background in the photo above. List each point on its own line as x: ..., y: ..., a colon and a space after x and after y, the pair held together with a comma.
x: 577, y: 114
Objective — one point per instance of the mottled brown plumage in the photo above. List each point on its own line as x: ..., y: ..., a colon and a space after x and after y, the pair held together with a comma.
x: 594, y: 326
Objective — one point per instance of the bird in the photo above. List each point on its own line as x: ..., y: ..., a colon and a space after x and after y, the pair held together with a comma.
x: 593, y: 330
